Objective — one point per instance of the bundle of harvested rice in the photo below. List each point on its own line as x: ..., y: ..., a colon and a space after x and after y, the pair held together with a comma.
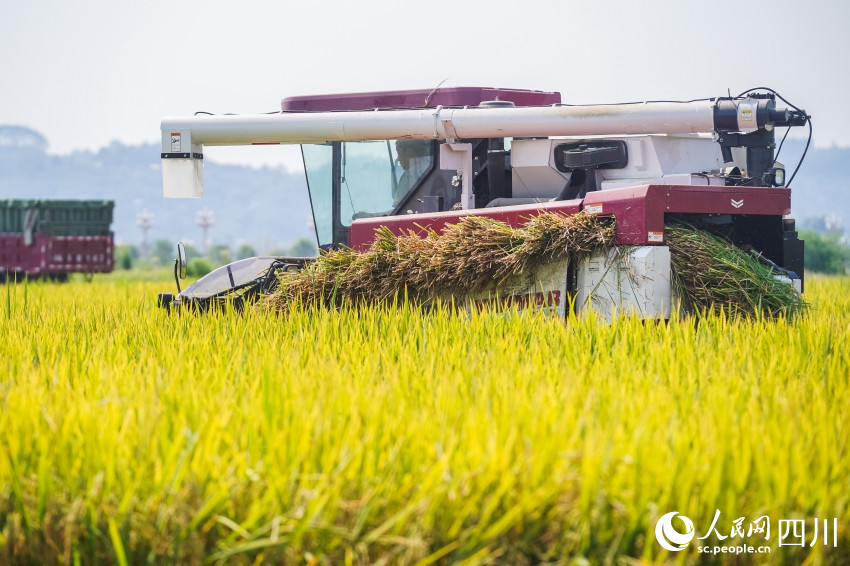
x: 709, y: 274
x: 712, y: 274
x: 467, y: 256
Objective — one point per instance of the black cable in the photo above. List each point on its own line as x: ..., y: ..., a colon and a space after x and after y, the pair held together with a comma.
x: 802, y: 157
x: 779, y: 150
x: 798, y: 109
x: 779, y: 96
x: 741, y: 180
x: 637, y: 102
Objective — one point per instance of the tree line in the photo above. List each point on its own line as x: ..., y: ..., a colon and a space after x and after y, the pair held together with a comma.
x: 164, y: 251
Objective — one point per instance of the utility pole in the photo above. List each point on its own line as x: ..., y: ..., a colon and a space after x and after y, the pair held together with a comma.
x: 205, y: 219
x: 144, y: 220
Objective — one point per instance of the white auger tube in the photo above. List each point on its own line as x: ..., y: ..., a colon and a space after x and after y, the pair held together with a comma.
x: 183, y: 138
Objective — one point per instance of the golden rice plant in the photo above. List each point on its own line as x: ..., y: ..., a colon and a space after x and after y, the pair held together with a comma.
x: 378, y: 434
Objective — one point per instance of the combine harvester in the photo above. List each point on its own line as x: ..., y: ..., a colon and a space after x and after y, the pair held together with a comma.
x: 423, y: 159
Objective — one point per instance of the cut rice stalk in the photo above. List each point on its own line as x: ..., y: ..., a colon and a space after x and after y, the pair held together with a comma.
x: 709, y: 273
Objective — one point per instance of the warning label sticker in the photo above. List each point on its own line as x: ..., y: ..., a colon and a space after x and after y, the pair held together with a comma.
x: 655, y: 237
x: 593, y: 209
x: 175, y: 142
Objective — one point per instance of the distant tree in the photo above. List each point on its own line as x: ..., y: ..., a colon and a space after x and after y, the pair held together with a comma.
x: 220, y: 254
x: 825, y: 253
x: 164, y: 251
x: 303, y: 247
x: 22, y: 137
x: 123, y: 257
x: 244, y: 251
x: 199, y: 266
x: 822, y: 223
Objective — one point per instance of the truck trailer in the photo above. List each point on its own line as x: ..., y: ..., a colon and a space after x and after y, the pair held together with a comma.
x: 54, y: 238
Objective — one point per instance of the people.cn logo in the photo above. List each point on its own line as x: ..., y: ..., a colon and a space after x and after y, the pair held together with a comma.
x: 670, y: 538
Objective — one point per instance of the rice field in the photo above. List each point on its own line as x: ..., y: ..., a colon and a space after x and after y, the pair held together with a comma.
x: 385, y: 435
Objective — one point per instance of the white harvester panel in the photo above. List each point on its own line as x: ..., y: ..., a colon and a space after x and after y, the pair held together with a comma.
x: 533, y: 170
x: 624, y: 279
x: 627, y: 280
x: 543, y: 289
x: 669, y: 160
x: 182, y: 178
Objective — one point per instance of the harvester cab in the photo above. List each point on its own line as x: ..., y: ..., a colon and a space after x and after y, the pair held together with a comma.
x: 416, y: 161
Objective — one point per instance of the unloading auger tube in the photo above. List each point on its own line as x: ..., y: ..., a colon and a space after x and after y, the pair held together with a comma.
x: 183, y: 138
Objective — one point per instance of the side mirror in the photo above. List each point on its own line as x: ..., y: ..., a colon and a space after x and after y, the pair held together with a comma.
x: 181, y: 260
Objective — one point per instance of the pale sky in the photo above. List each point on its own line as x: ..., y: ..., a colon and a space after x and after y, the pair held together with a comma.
x: 89, y: 72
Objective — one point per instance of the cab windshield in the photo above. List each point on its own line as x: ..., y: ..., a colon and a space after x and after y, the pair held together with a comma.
x: 364, y: 179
